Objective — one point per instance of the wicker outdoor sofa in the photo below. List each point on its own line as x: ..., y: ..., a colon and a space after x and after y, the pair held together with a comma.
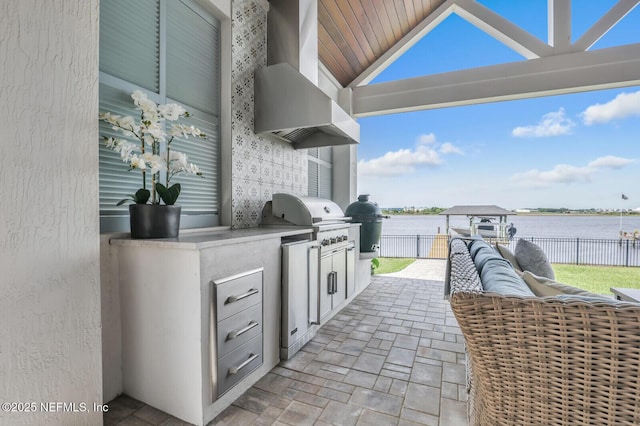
x: 545, y: 360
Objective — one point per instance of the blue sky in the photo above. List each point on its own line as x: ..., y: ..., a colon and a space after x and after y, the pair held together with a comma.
x: 575, y: 151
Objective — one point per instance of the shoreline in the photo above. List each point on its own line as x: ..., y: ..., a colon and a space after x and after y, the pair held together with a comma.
x: 528, y: 214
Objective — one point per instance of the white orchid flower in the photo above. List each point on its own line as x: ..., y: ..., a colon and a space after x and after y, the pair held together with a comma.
x: 109, y: 118
x: 194, y: 170
x: 150, y: 131
x: 171, y: 111
x: 147, y: 105
x: 157, y: 131
x: 155, y: 162
x: 178, y: 161
x: 176, y: 130
x: 126, y: 122
x: 111, y: 143
x: 126, y: 150
x: 137, y: 163
x: 137, y: 96
x: 143, y: 103
x: 182, y: 130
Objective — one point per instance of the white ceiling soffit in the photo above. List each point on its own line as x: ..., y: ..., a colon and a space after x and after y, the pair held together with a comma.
x: 556, y: 67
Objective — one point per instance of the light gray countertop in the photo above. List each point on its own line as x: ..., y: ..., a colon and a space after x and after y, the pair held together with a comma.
x: 215, y: 237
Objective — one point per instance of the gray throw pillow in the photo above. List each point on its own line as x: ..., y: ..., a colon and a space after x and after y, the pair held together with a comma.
x: 531, y: 258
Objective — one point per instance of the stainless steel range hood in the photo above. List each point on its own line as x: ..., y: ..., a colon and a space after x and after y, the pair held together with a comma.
x: 288, y: 102
x: 291, y: 107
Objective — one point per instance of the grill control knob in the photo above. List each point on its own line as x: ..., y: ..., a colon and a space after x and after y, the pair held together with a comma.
x: 325, y: 242
x: 334, y: 240
x: 345, y: 238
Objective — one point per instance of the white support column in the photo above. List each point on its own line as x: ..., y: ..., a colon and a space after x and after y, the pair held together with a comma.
x: 559, y: 24
x: 345, y: 175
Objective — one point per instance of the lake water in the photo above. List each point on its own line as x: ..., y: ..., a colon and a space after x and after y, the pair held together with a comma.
x: 560, y: 226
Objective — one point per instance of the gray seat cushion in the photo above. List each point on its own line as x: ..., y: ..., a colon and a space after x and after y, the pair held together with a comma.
x: 498, y: 276
x: 482, y: 257
x: 481, y: 252
x: 477, y: 244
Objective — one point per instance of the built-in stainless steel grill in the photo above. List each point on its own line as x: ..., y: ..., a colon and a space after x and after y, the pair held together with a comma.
x: 326, y: 218
x: 305, y: 211
x: 318, y: 274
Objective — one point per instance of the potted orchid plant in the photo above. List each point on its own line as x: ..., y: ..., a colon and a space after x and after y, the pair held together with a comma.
x: 149, y: 218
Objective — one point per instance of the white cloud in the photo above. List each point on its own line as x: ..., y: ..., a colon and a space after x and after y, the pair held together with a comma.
x: 610, y: 162
x: 405, y: 161
x: 449, y: 148
x: 428, y: 139
x: 562, y: 173
x: 552, y: 124
x: 622, y: 106
x: 399, y: 162
x: 566, y: 173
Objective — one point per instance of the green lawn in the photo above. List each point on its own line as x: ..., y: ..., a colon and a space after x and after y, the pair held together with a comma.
x: 597, y: 279
x: 392, y: 264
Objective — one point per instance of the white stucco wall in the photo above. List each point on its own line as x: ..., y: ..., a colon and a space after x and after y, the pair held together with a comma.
x: 50, y: 348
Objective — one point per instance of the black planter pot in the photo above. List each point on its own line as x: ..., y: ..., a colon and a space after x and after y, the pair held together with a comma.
x: 154, y: 221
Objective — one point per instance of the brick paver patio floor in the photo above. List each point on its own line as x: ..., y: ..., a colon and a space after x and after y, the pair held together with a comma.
x: 393, y: 356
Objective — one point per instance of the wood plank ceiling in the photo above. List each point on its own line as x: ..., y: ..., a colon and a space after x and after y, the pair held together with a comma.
x: 352, y: 34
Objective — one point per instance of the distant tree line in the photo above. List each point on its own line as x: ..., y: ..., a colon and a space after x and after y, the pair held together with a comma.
x: 413, y: 210
x: 564, y: 210
x: 548, y: 210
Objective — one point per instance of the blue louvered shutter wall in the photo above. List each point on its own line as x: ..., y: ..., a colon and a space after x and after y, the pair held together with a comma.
x: 170, y: 49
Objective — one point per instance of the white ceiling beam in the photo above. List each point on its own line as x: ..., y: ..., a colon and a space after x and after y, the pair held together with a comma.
x: 559, y: 74
x: 559, y: 24
x: 404, y: 44
x: 502, y: 29
x: 604, y: 24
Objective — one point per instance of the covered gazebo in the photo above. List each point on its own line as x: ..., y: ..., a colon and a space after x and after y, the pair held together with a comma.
x: 480, y: 217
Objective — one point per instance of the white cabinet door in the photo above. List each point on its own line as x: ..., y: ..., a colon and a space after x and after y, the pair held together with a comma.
x: 333, y: 281
x: 340, y: 274
x: 326, y: 273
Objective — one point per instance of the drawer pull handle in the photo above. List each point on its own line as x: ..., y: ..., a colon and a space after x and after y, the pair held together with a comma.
x: 232, y: 299
x: 235, y: 370
x: 240, y: 332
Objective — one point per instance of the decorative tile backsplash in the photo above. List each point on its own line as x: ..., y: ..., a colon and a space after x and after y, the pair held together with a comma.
x: 261, y: 166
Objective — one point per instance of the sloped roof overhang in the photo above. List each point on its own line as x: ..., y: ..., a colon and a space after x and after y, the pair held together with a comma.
x: 358, y: 38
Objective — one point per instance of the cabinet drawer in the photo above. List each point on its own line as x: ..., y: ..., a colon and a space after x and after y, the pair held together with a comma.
x: 239, y: 329
x: 239, y: 363
x: 237, y: 293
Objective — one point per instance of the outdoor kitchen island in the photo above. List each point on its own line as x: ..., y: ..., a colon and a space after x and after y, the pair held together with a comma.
x: 201, y: 316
